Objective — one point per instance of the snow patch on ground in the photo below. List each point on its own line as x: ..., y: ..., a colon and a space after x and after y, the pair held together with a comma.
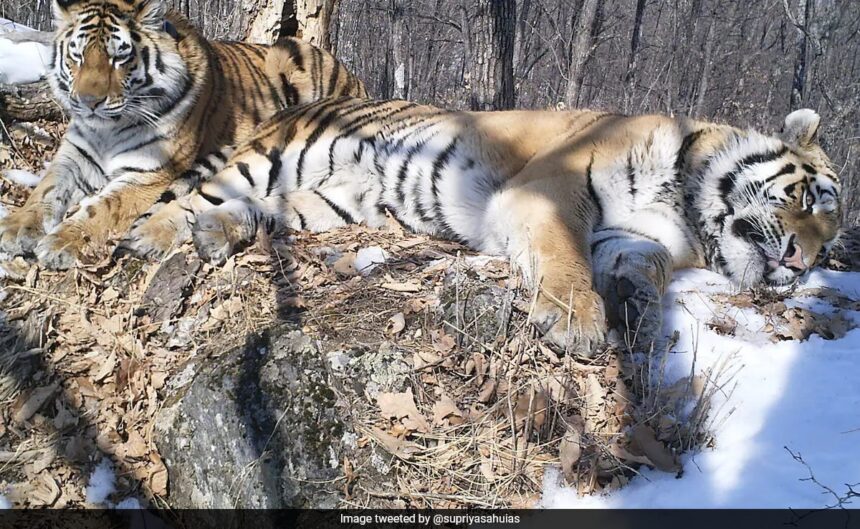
x: 5, y: 504
x: 7, y: 25
x: 367, y: 259
x: 22, y: 177
x: 794, y: 395
x: 102, y: 483
x: 21, y: 62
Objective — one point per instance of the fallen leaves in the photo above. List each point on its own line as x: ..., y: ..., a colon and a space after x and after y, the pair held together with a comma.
x: 445, y: 410
x: 570, y: 448
x: 401, y: 407
x: 405, y: 287
x: 396, y: 324
x: 33, y: 403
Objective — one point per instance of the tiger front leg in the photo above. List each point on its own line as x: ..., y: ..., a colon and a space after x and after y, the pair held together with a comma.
x: 100, y: 218
x: 631, y: 273
x: 22, y: 230
x: 553, y: 253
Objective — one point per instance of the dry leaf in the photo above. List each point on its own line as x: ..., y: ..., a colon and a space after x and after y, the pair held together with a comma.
x: 46, y: 493
x: 570, y: 449
x: 37, y: 398
x: 488, y: 389
x: 135, y: 447
x: 402, y: 287
x: 534, y: 401
x: 443, y: 342
x: 393, y: 445
x: 345, y: 266
x: 106, y: 369
x: 446, y: 408
x: 645, y: 440
x: 157, y: 476
x: 396, y: 324
x: 401, y: 406
x: 595, y: 404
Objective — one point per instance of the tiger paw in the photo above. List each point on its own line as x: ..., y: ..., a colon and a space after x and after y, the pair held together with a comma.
x: 59, y: 250
x: 635, y: 309
x: 217, y: 236
x: 156, y: 233
x: 580, y: 331
x: 20, y: 233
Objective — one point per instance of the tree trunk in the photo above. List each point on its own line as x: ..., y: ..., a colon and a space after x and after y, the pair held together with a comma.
x: 314, y: 20
x: 632, y: 62
x: 704, y: 80
x: 587, y: 27
x: 490, y: 54
x: 801, y: 23
x: 274, y: 19
x: 29, y: 102
x: 397, y: 69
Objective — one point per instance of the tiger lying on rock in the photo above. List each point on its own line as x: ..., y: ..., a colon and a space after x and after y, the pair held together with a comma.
x: 597, y: 209
x: 149, y: 97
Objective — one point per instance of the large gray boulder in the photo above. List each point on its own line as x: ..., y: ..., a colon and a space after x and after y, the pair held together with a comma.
x: 257, y: 427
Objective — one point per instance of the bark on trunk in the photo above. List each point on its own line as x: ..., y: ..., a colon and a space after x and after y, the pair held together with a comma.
x: 29, y: 102
x: 704, y: 80
x: 314, y: 18
x: 801, y: 23
x: 587, y: 25
x: 490, y: 54
x: 398, y: 70
x: 632, y: 62
x: 274, y: 19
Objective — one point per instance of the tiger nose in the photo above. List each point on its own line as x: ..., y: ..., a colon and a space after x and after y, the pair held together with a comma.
x: 91, y: 102
x: 793, y: 258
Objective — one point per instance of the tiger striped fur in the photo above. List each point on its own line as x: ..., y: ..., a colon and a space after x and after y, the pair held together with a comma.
x: 148, y: 97
x: 597, y: 209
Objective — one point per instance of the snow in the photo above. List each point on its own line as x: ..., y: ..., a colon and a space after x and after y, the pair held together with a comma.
x: 5, y: 504
x: 102, y: 483
x: 367, y: 259
x: 798, y: 396
x: 129, y: 504
x: 21, y: 62
x: 22, y: 177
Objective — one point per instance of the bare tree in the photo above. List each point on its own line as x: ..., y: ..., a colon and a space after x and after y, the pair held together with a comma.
x: 272, y: 20
x: 801, y: 23
x: 397, y: 68
x: 314, y: 19
x: 586, y: 28
x: 632, y: 62
x: 490, y: 54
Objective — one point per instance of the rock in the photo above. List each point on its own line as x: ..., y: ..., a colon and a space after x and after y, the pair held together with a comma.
x: 257, y: 427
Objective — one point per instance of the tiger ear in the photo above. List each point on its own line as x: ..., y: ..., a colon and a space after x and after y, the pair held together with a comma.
x: 801, y: 128
x: 150, y: 13
x: 61, y: 12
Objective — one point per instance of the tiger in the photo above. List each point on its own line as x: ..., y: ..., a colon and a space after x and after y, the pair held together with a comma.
x: 154, y: 107
x: 596, y: 209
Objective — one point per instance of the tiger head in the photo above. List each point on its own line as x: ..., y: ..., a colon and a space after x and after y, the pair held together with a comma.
x: 116, y: 60
x: 774, y: 207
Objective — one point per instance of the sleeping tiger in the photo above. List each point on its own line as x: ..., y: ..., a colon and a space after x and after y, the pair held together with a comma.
x: 597, y: 209
x: 148, y: 97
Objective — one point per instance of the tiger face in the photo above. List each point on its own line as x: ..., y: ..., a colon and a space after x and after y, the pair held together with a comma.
x: 779, y: 202
x: 116, y: 60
